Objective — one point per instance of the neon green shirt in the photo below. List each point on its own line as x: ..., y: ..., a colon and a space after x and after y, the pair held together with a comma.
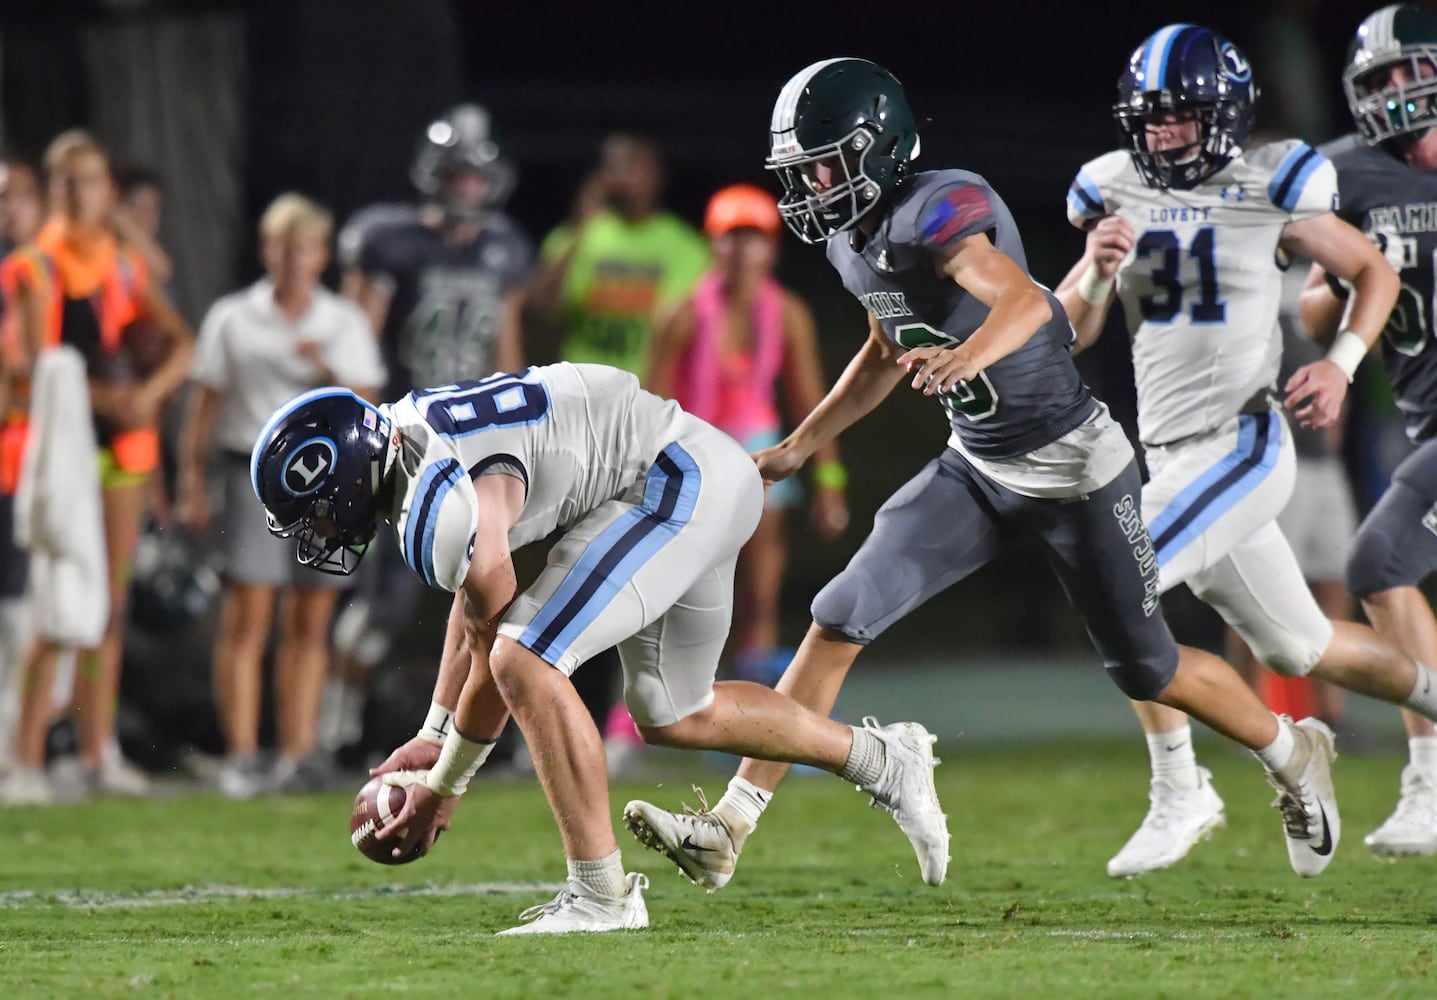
x: 621, y: 275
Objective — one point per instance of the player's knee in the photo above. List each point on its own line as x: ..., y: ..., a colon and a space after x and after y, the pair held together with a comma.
x: 836, y: 609
x: 1144, y: 677
x: 693, y: 730
x: 1289, y: 655
x: 1370, y: 566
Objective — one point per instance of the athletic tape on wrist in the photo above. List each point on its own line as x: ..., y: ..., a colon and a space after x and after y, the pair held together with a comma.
x: 438, y: 724
x: 458, y: 762
x: 1347, y: 353
x: 1093, y: 289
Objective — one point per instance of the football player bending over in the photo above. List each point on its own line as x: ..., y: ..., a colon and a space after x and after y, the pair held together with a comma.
x: 655, y: 505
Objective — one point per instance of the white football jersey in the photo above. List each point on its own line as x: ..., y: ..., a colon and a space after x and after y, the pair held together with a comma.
x: 577, y: 435
x: 1201, y: 290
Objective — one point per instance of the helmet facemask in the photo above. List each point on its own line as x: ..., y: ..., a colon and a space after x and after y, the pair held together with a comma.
x: 1220, y: 124
x: 850, y: 192
x: 320, y: 543
x: 1386, y: 110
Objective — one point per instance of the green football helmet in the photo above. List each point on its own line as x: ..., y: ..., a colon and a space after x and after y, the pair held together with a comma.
x: 842, y: 137
x: 1391, y: 75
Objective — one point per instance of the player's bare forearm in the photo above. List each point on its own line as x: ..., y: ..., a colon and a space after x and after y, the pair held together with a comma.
x: 1011, y: 323
x: 454, y: 661
x: 1320, y: 309
x: 1341, y: 250
x: 1017, y: 307
x: 481, y: 713
x: 1374, y: 295
x: 1087, y: 318
x: 865, y: 383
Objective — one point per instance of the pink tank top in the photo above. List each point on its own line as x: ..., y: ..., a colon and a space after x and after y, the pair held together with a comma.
x: 732, y: 390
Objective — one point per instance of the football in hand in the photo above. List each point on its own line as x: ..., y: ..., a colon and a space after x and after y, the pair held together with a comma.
x: 374, y: 807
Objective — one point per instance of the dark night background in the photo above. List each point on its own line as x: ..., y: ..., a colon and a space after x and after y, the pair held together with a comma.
x: 234, y: 103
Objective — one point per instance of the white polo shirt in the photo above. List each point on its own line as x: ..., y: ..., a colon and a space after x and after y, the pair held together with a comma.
x: 248, y: 353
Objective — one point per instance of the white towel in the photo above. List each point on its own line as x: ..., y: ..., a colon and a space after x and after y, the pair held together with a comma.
x: 58, y: 514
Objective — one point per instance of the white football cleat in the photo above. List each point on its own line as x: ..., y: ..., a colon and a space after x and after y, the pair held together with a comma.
x: 695, y: 840
x: 574, y: 910
x: 1305, y: 796
x: 1177, y: 819
x: 1412, y: 827
x: 905, y: 791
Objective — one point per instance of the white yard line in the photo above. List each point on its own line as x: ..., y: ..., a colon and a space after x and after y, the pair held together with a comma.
x: 99, y: 899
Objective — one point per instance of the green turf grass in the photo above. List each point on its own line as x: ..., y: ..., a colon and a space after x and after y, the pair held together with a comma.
x: 203, y: 897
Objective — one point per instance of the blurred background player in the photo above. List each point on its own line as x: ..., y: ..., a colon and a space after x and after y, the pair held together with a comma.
x: 1387, y: 177
x: 1189, y: 229
x: 604, y: 280
x: 721, y: 355
x: 258, y: 348
x: 442, y: 283
x: 22, y: 209
x: 99, y: 286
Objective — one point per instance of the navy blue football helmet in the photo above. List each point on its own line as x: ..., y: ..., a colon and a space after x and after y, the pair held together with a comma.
x: 1185, y: 70
x: 318, y: 467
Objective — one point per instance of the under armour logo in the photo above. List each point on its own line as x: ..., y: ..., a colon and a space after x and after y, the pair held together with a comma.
x: 306, y: 466
x: 1233, y: 192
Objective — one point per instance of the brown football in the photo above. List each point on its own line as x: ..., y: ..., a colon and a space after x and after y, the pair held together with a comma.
x: 374, y: 806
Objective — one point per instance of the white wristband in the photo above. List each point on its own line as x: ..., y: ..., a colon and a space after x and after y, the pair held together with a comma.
x: 1093, y: 289
x: 438, y: 724
x: 1347, y: 352
x: 458, y: 762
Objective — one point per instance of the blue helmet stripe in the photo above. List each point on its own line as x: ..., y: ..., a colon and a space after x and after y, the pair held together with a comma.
x: 279, y: 416
x: 1155, y: 60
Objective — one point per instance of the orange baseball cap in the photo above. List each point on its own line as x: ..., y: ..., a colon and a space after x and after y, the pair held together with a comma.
x: 740, y: 206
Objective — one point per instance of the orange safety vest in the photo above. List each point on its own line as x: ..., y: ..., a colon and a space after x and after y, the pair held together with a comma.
x: 113, y: 279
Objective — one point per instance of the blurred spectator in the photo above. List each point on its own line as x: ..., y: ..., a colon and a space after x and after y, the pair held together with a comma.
x: 606, y: 275
x: 93, y: 288
x: 442, y: 283
x: 720, y: 355
x: 604, y: 279
x: 258, y: 348
x: 21, y: 211
x: 137, y: 215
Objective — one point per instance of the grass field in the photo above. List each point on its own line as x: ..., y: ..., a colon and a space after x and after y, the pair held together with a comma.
x: 197, y: 896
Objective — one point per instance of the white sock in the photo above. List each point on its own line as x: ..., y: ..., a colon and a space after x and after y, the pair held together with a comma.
x: 1172, y: 758
x: 602, y: 877
x: 1423, y: 751
x: 866, y: 758
x: 1278, y: 754
x: 1423, y: 699
x: 740, y: 808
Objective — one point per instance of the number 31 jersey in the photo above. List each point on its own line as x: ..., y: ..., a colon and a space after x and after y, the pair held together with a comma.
x: 576, y: 435
x: 1201, y: 290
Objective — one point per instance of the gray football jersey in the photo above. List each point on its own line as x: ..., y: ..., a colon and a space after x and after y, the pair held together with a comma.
x: 1028, y: 399
x: 1396, y: 206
